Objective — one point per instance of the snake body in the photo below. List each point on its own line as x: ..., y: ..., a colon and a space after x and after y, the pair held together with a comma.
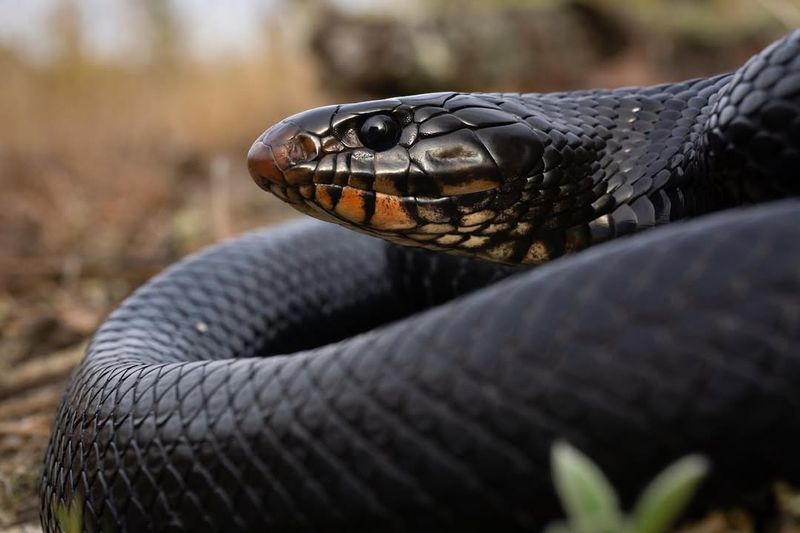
x: 308, y: 378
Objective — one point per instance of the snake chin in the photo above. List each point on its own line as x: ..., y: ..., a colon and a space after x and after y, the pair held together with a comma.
x: 466, y: 225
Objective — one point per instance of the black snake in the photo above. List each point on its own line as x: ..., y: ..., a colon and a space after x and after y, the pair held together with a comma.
x: 308, y: 378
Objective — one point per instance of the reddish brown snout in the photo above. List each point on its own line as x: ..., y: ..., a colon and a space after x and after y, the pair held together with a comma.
x: 280, y: 148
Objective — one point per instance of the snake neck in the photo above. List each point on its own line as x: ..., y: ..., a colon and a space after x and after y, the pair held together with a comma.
x: 751, y: 140
x: 622, y: 160
x: 678, y: 150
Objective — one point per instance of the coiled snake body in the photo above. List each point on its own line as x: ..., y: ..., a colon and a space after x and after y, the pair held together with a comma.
x: 308, y: 378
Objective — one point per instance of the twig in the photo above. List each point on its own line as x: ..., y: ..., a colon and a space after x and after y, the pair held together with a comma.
x: 40, y: 371
x: 38, y: 401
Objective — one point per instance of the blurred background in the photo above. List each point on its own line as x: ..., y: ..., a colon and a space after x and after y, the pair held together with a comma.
x: 124, y: 126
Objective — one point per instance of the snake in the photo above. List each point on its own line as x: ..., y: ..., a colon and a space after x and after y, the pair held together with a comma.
x: 618, y: 269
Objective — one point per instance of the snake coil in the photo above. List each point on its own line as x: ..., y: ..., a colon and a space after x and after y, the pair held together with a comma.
x: 308, y: 378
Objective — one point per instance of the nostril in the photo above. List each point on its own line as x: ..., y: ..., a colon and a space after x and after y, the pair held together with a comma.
x: 278, y: 151
x: 291, y: 151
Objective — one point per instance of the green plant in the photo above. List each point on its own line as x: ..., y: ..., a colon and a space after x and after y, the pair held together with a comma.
x: 591, y: 503
x: 70, y: 519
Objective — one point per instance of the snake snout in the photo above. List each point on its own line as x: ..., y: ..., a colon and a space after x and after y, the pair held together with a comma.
x: 276, y: 155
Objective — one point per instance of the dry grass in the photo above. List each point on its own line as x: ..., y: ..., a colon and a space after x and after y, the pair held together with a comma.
x: 109, y: 174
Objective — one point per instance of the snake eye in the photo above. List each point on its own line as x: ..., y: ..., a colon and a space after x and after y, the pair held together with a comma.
x: 379, y: 132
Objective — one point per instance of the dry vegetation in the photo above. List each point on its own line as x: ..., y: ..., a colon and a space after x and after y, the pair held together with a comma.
x: 108, y: 173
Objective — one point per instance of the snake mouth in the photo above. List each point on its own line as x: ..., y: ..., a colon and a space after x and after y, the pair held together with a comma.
x: 467, y: 225
x: 292, y: 164
x: 386, y: 213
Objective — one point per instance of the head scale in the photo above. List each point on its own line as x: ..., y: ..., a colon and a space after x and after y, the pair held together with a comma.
x: 446, y: 171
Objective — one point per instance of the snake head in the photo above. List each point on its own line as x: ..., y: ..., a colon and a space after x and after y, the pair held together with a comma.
x: 445, y: 171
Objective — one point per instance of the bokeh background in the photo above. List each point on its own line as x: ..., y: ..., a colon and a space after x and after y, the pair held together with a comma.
x: 124, y: 126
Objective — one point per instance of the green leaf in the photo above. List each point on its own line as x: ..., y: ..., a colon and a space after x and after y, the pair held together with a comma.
x: 666, y: 496
x: 589, y: 500
x: 70, y: 520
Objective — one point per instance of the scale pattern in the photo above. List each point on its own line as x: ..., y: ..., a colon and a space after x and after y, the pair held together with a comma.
x: 307, y: 378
